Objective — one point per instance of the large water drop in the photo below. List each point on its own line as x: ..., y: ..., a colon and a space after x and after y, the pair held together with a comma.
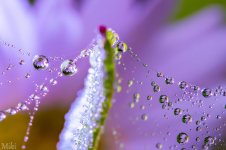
x: 207, y: 92
x: 40, y: 62
x: 182, y: 138
x: 68, y: 68
x: 187, y: 118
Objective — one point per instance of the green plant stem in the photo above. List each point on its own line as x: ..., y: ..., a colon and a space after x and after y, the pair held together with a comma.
x: 109, y: 68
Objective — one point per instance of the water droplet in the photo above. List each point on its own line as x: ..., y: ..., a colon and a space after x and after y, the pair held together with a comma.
x: 122, y: 47
x: 144, y: 117
x: 85, y: 53
x: 2, y: 116
x: 169, y: 80
x: 22, y: 62
x: 164, y: 106
x: 187, y: 118
x: 177, y: 111
x: 182, y: 138
x: 218, y: 117
x: 11, y: 111
x: 34, y: 97
x: 118, y: 56
x: 198, y: 128
x: 132, y: 105
x: 149, y: 97
x: 195, y: 88
x: 197, y: 122
x: 183, y: 85
x: 170, y: 104
x: 159, y: 74
x: 40, y: 62
x: 209, y: 140
x: 118, y: 88
x: 22, y: 106
x: 44, y: 88
x: 163, y: 99
x: 26, y: 138
x: 156, y: 88
x: 203, y: 118
x: 197, y: 139
x: 207, y: 93
x: 145, y: 65
x: 159, y: 146
x: 9, y: 67
x: 68, y: 68
x: 53, y: 81
x: 130, y: 83
x: 142, y: 107
x: 27, y: 75
x: 23, y: 147
x: 136, y: 97
x: 224, y: 93
x: 153, y: 83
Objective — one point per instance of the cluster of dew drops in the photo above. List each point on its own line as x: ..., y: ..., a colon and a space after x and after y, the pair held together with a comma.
x: 67, y: 67
x: 190, y: 91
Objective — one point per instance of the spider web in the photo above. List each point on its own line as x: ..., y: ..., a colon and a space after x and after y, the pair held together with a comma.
x: 151, y: 110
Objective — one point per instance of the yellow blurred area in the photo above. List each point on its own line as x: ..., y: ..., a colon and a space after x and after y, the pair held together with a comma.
x: 44, y: 133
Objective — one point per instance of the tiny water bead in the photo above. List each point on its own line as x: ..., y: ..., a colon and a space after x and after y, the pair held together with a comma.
x: 218, y: 117
x: 159, y: 74
x: 209, y: 140
x: 159, y: 145
x: 144, y: 117
x: 198, y: 128
x: 149, y: 97
x: 11, y: 111
x: 22, y: 62
x: 68, y: 68
x: 22, y: 106
x: 203, y: 118
x: 132, y: 105
x: 187, y: 118
x: 207, y: 93
x: 183, y: 85
x: 169, y: 80
x: 177, y: 111
x: 9, y: 67
x: 153, y: 83
x: 142, y: 107
x: 197, y: 139
x: 53, y: 81
x: 40, y: 62
x: 2, y: 116
x: 44, y: 88
x: 118, y: 88
x: 182, y: 138
x: 27, y: 76
x: 195, y: 88
x: 130, y: 83
x: 163, y: 99
x: 156, y: 88
x: 136, y: 97
x: 34, y: 97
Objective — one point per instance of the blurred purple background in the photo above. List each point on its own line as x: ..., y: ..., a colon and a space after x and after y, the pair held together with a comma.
x: 186, y: 43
